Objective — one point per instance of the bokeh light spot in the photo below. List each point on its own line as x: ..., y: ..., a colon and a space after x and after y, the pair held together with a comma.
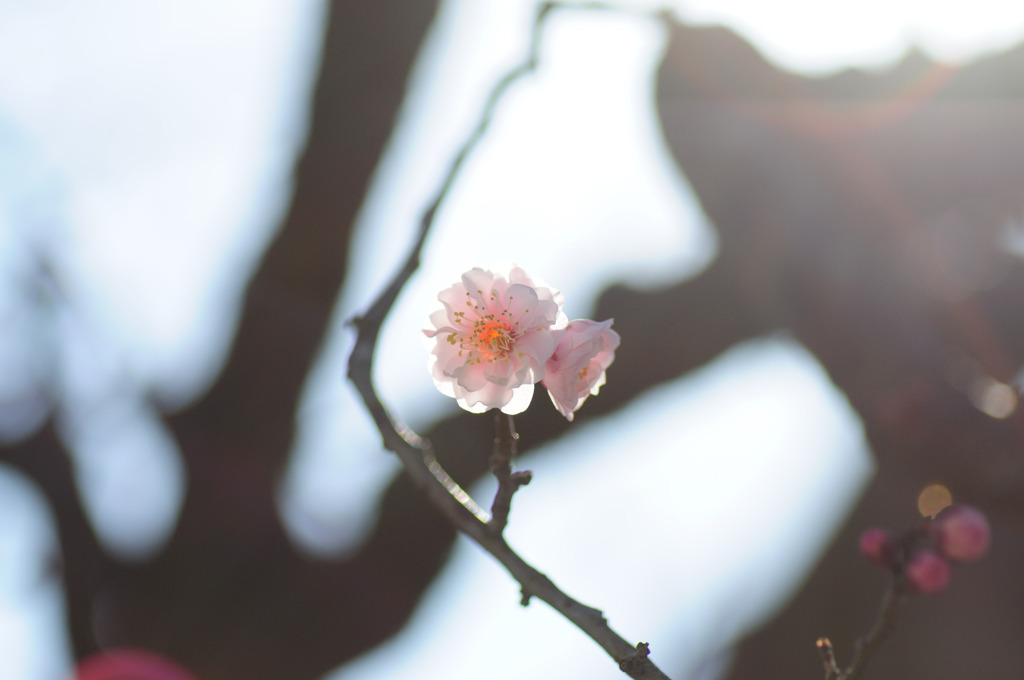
x: 995, y: 399
x: 933, y: 499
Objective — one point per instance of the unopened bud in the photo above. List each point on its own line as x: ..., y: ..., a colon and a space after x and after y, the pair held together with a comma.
x: 963, y: 533
x: 877, y: 547
x: 927, y: 572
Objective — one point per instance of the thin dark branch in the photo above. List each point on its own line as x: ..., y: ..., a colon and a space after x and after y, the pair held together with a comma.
x: 450, y: 499
x: 892, y: 603
x: 371, y: 322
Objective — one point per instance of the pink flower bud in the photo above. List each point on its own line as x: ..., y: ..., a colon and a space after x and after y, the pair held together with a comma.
x: 963, y: 533
x: 577, y: 367
x: 928, y: 573
x: 877, y: 547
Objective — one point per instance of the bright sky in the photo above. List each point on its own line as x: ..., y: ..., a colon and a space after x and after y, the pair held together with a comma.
x: 815, y: 37
x: 163, y: 159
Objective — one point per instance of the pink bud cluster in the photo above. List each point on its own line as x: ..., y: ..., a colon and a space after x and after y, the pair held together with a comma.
x: 924, y: 555
x: 499, y: 334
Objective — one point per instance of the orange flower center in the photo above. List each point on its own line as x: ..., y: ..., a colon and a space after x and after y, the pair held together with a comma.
x: 491, y: 337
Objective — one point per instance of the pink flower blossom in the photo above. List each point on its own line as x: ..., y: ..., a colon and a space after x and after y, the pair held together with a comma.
x: 494, y: 337
x: 577, y: 368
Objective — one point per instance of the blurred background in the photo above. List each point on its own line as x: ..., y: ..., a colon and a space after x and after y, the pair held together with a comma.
x: 805, y: 220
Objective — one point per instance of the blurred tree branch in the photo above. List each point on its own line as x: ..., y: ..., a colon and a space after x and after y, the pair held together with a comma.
x: 229, y: 596
x: 865, y: 213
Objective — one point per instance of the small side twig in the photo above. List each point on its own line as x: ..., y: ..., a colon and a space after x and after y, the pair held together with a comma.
x: 635, y: 662
x: 828, y: 658
x: 501, y: 465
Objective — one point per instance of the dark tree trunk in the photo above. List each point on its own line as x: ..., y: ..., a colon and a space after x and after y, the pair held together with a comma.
x: 864, y: 213
x: 230, y: 597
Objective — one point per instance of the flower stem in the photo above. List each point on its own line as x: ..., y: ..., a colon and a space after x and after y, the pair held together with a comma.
x: 505, y: 437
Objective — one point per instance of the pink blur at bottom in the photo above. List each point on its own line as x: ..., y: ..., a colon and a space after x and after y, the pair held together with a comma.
x: 129, y: 664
